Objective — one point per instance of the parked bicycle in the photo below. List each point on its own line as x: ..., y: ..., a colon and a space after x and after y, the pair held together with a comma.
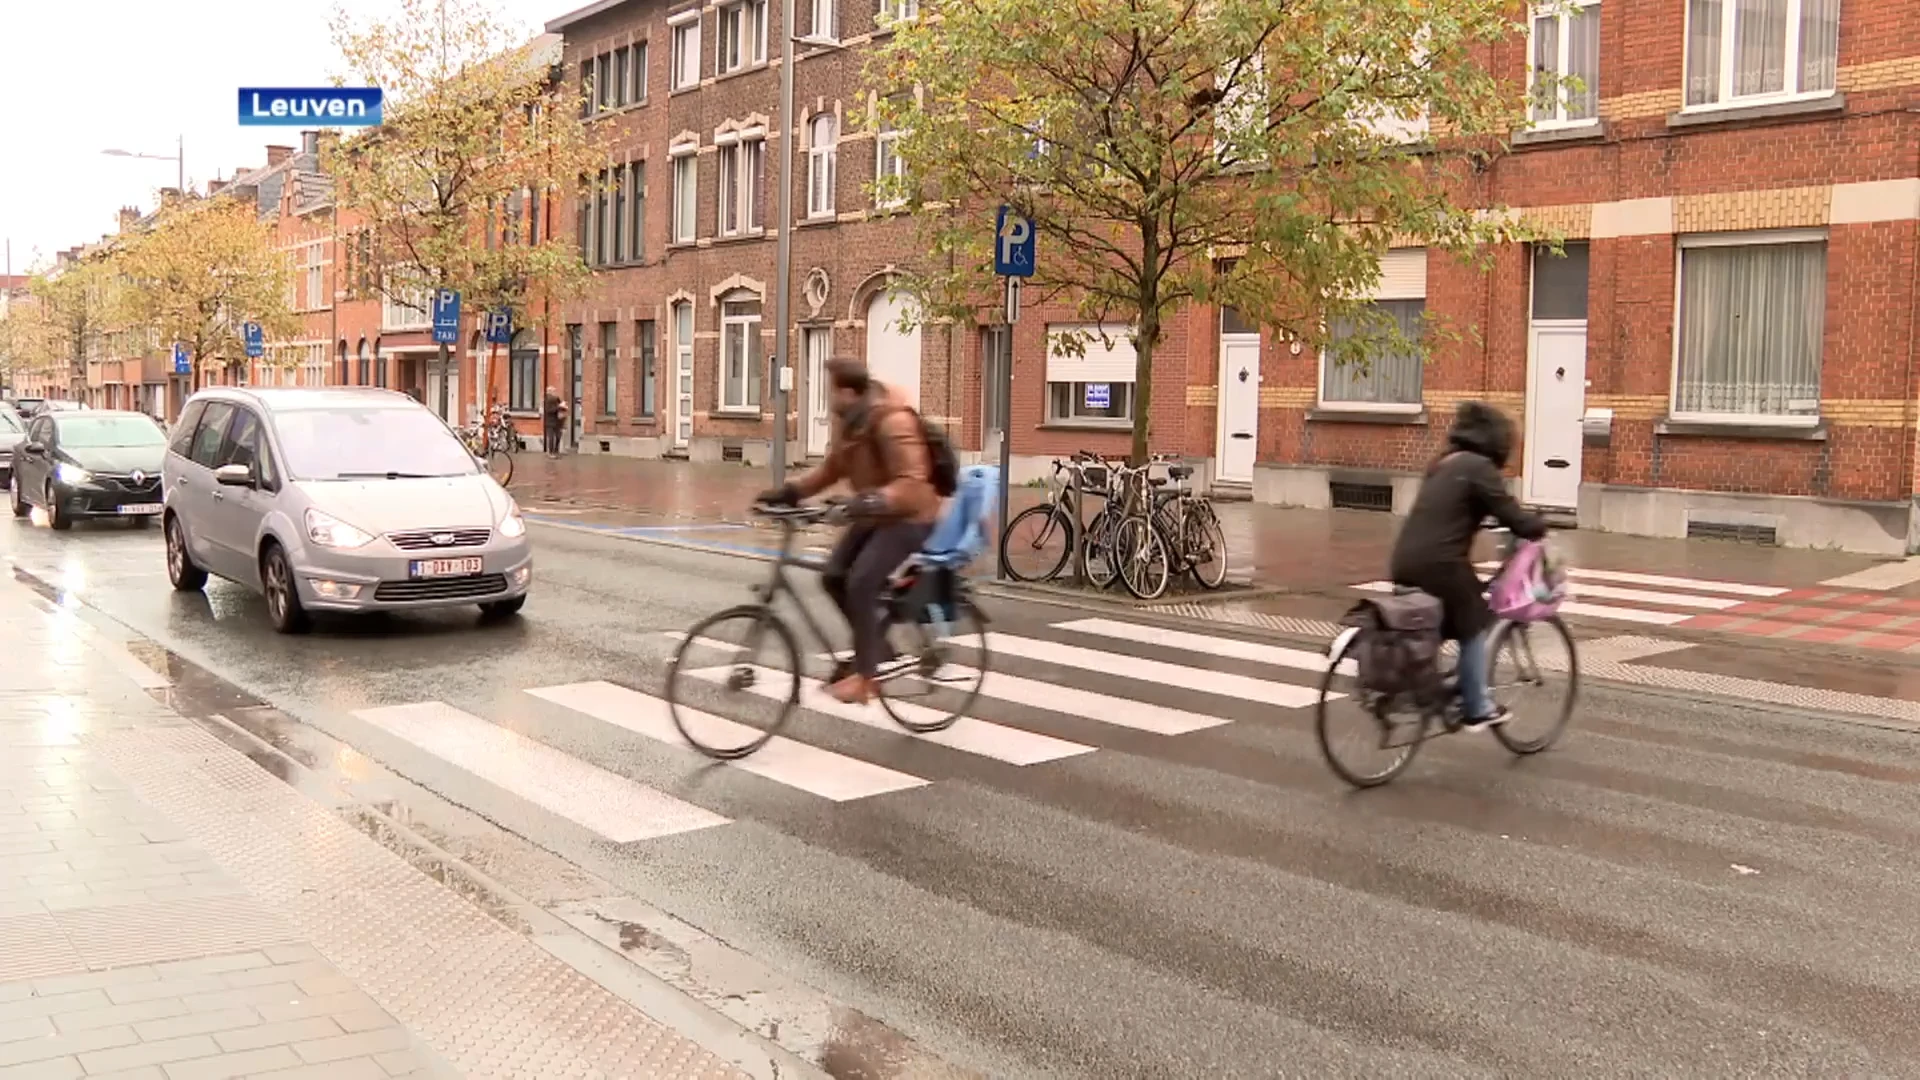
x: 930, y: 614
x: 1163, y: 528
x: 495, y: 441
x: 1395, y: 720
x: 1038, y: 543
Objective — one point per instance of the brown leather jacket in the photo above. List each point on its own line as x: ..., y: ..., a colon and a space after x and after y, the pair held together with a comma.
x: 886, y: 453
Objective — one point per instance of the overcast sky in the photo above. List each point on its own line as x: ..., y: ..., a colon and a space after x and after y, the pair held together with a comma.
x: 82, y: 76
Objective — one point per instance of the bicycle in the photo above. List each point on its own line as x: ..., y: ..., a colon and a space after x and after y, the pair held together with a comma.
x: 1196, y: 544
x: 493, y: 441
x: 1436, y: 708
x: 931, y: 605
x: 1058, y: 517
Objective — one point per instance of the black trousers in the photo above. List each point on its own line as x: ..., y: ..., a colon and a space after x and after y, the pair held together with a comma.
x: 857, y: 572
x: 553, y: 435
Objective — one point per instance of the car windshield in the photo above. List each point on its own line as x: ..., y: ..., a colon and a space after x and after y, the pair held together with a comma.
x: 82, y: 430
x: 348, y: 443
x: 8, y: 424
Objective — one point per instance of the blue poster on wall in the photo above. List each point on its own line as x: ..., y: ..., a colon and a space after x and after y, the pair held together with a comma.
x: 1099, y: 395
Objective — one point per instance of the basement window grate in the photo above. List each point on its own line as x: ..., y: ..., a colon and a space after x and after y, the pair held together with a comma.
x: 735, y: 454
x: 1765, y: 535
x: 1350, y: 496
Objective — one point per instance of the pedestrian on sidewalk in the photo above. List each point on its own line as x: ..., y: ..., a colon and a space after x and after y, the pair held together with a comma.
x: 880, y: 450
x: 554, y: 413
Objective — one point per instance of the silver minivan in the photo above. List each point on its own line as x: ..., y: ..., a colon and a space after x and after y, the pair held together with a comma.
x: 345, y: 499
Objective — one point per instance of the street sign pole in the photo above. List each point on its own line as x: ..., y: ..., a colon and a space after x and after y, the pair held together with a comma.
x: 1013, y: 255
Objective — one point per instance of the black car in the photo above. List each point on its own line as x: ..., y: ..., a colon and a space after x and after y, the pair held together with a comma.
x: 13, y: 431
x: 89, y: 463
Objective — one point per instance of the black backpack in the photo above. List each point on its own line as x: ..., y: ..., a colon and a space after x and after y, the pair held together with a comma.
x: 943, y: 465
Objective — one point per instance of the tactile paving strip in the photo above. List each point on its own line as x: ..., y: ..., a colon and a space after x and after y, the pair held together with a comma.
x: 491, y: 1001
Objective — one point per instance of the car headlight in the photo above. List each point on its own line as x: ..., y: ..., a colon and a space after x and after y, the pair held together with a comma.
x: 71, y: 474
x: 329, y: 531
x: 513, y: 525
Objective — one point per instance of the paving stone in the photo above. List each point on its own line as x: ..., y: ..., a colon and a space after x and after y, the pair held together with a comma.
x: 65, y: 1044
x: 110, y: 1015
x: 199, y: 1023
x: 150, y: 1053
x: 286, y: 1031
x: 227, y: 1066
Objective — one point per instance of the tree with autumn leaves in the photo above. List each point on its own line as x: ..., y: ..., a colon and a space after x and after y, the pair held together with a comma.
x: 473, y: 127
x: 196, y: 274
x: 1258, y: 154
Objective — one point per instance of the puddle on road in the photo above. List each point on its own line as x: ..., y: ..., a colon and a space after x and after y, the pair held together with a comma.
x: 452, y: 876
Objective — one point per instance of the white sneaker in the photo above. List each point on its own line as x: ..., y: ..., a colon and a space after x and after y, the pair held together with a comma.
x: 1499, y: 716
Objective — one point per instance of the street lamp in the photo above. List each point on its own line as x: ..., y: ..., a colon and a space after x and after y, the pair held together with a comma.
x: 783, y: 257
x: 179, y: 156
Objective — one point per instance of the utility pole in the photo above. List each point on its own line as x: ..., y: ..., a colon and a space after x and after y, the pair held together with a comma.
x: 783, y: 257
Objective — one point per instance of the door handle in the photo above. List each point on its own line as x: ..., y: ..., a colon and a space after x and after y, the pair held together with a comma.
x: 1557, y: 463
x: 1241, y: 435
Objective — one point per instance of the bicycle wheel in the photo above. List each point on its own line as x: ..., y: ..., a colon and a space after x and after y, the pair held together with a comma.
x: 1042, y: 557
x: 926, y: 688
x: 720, y: 665
x: 1143, y: 558
x: 1396, y: 738
x: 1206, y: 545
x: 1532, y: 650
x: 1101, y: 568
x: 500, y: 467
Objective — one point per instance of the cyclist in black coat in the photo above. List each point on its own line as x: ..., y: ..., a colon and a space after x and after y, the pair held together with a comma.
x: 1434, y: 552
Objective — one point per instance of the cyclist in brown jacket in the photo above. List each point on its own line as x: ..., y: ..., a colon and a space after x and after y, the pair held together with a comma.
x: 879, y: 450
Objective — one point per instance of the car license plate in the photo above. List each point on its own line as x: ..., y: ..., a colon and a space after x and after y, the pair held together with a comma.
x: 142, y: 508
x: 432, y: 568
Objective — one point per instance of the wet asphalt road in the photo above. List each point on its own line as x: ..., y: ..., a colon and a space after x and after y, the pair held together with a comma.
x: 1683, y: 887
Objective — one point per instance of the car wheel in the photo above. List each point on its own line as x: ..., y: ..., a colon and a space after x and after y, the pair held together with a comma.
x: 283, y: 594
x: 500, y: 609
x: 186, y: 577
x: 20, y: 507
x: 56, y: 517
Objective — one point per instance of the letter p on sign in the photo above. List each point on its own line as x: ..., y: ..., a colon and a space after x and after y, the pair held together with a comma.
x: 1013, y: 247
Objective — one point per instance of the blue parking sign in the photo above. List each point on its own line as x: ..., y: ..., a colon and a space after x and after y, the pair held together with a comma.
x: 446, y: 316
x: 500, y: 327
x: 181, y: 364
x: 1013, y: 244
x: 256, y: 339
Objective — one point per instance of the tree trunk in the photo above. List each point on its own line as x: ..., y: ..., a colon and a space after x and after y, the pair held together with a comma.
x: 1145, y: 344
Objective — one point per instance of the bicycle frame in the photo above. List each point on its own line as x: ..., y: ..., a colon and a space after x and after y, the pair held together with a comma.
x: 778, y: 583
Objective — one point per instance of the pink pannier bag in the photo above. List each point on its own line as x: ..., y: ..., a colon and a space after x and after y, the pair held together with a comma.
x: 1531, y: 587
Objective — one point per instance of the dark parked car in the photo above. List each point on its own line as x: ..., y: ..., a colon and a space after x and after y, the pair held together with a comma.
x: 13, y: 431
x: 89, y: 463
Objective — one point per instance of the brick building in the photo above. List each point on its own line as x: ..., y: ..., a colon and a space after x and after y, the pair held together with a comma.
x: 1727, y: 346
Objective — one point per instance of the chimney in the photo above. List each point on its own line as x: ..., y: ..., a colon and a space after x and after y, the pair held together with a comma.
x: 169, y: 195
x: 278, y: 154
x: 214, y: 187
x: 310, y: 142
x: 128, y: 215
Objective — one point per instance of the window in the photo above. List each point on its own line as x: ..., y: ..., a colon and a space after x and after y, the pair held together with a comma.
x: 610, y: 364
x: 183, y: 432
x: 822, y: 155
x: 1565, y: 82
x: 888, y: 168
x: 686, y: 52
x: 898, y: 10
x: 743, y: 35
x: 644, y: 366
x: 405, y: 308
x: 686, y: 189
x: 636, y: 211
x: 317, y: 275
x: 1560, y: 282
x: 603, y: 82
x: 345, y: 376
x: 1374, y: 359
x: 1089, y: 374
x: 637, y: 67
x: 1239, y: 118
x: 826, y: 21
x: 583, y: 219
x: 740, y: 353
x: 366, y: 373
x: 622, y: 78
x: 586, y: 87
x: 523, y: 373
x: 1752, y: 316
x: 742, y: 165
x: 603, y: 220
x: 1745, y: 51
x: 617, y: 229
x: 209, y: 436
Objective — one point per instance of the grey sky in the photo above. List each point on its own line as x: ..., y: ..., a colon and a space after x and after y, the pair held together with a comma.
x: 82, y: 76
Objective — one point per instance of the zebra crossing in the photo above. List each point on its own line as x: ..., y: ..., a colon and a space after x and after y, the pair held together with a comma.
x: 1646, y: 599
x: 1051, y: 695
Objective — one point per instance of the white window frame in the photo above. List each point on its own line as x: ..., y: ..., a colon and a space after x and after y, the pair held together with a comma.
x: 1399, y: 129
x: 1109, y: 339
x: 1762, y: 238
x: 898, y: 11
x: 686, y: 193
x: 885, y: 143
x: 1382, y: 293
x: 1240, y: 106
x: 317, y: 262
x: 401, y: 313
x: 739, y: 150
x: 823, y: 162
x: 742, y: 39
x: 825, y: 23
x: 1562, y: 15
x: 1793, y: 61
x: 749, y: 326
x: 685, y: 29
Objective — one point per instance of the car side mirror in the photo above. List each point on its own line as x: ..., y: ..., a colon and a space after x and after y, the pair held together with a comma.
x: 234, y: 475
x: 34, y: 447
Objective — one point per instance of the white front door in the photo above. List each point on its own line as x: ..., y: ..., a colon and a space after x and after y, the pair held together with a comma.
x: 893, y: 355
x: 682, y: 374
x: 1239, y: 407
x: 1556, y: 402
x: 819, y: 401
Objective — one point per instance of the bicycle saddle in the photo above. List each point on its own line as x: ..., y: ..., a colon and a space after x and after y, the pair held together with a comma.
x: 1179, y: 472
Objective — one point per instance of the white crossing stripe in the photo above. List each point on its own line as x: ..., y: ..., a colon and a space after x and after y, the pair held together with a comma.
x: 1088, y: 705
x: 1202, y: 680
x: 1733, y: 588
x: 782, y: 760
x: 1232, y: 648
x: 967, y: 734
x: 1575, y: 607
x: 610, y: 805
x: 1645, y: 596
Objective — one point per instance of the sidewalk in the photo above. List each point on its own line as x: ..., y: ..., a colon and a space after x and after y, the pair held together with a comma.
x: 170, y: 911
